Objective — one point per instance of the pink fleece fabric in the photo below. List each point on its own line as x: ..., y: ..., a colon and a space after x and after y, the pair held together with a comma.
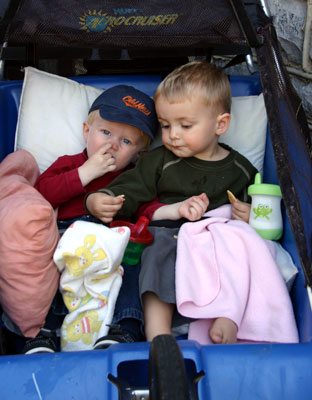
x: 28, y: 237
x: 225, y: 269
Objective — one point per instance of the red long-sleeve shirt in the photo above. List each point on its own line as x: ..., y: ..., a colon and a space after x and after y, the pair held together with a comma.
x: 61, y: 186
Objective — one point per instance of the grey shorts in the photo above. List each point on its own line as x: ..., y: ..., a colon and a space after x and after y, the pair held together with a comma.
x: 158, y: 265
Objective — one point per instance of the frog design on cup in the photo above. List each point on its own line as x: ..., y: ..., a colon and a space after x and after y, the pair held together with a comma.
x: 262, y: 211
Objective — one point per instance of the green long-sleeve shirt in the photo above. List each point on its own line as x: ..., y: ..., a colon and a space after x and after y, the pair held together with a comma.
x: 172, y: 179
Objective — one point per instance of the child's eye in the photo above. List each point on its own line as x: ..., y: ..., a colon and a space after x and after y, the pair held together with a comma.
x: 163, y: 126
x: 106, y: 132
x: 186, y: 126
x: 126, y: 141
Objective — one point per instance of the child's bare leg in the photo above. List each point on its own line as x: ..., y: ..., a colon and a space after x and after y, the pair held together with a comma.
x: 223, y: 330
x: 157, y: 316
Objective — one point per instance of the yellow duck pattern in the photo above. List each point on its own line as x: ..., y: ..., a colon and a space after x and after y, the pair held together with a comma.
x: 82, y: 259
x: 81, y: 328
x: 91, y: 278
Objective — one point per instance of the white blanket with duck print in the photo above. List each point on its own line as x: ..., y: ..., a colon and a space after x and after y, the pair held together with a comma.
x: 89, y: 256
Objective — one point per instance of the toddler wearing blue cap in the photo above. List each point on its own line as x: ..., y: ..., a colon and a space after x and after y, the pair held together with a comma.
x: 121, y: 124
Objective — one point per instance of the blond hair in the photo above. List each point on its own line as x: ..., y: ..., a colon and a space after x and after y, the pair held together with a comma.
x: 199, y: 78
x: 144, y: 139
x: 91, y: 116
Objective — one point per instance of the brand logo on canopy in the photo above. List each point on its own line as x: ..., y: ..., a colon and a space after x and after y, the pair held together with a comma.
x: 99, y: 21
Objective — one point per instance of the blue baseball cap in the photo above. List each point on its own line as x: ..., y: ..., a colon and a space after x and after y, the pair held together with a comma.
x: 127, y: 105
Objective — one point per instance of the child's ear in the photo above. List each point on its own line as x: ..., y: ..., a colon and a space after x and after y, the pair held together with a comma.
x: 223, y: 122
x: 85, y: 130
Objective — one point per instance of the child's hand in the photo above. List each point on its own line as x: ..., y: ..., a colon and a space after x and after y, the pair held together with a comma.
x: 97, y: 165
x: 103, y: 206
x: 241, y: 211
x: 194, y: 207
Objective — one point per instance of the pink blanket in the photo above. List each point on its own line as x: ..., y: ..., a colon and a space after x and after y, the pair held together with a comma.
x: 225, y: 269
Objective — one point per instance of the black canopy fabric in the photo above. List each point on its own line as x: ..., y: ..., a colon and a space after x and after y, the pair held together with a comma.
x: 132, y: 24
x: 225, y: 27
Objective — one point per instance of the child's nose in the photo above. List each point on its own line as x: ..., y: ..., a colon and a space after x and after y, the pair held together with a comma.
x: 173, y: 133
x: 115, y: 146
x: 114, y: 143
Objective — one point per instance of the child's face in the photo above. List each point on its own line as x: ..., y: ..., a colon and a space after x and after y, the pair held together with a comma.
x: 125, y: 140
x: 189, y: 128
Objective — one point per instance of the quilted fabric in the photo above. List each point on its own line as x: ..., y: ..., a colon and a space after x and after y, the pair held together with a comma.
x: 28, y: 237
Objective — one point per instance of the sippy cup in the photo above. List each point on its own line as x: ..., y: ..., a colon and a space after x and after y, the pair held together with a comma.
x: 265, y: 215
x: 139, y: 238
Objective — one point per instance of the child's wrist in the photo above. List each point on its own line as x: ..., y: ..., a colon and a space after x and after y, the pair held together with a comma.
x: 169, y: 211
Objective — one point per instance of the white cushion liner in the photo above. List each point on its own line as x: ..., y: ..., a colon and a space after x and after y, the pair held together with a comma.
x: 53, y: 108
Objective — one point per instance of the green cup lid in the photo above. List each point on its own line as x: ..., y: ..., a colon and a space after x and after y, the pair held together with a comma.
x: 264, y: 188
